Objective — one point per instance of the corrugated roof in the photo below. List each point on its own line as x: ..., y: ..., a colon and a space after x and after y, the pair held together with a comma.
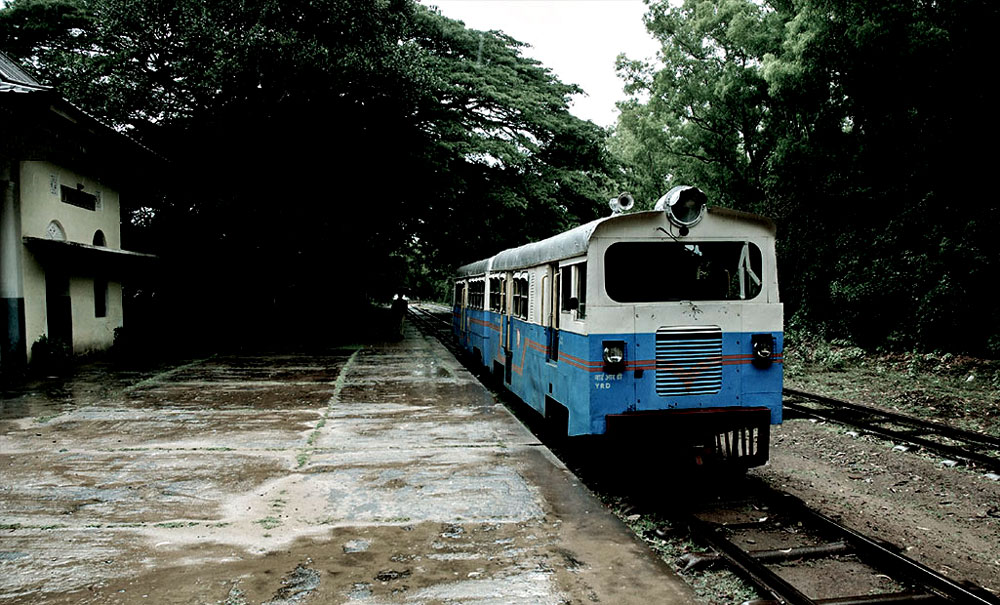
x: 15, y: 79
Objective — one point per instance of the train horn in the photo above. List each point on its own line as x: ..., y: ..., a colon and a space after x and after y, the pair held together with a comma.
x: 622, y: 203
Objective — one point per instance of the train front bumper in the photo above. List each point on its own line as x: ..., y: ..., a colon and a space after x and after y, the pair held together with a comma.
x: 726, y: 436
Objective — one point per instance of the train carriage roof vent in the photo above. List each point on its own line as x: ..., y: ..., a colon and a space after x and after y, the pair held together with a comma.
x: 684, y: 205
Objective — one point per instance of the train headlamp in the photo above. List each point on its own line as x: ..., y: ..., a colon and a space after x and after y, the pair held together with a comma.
x: 684, y: 205
x: 614, y: 356
x: 763, y: 350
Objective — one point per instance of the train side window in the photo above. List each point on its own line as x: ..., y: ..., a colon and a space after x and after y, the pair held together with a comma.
x: 477, y: 293
x: 496, y: 294
x: 459, y: 294
x: 521, y: 297
x: 574, y: 287
x: 580, y: 289
x: 566, y: 279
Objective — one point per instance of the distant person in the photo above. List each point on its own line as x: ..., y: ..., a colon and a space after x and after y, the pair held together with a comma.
x: 398, y: 313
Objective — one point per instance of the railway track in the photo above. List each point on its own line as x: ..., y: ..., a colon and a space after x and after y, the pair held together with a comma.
x: 774, y: 541
x: 976, y: 450
x: 432, y: 323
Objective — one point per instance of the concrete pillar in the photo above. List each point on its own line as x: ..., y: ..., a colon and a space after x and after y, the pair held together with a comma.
x: 12, y: 346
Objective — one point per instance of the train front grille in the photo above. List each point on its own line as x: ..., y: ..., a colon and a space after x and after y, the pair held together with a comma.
x: 688, y: 361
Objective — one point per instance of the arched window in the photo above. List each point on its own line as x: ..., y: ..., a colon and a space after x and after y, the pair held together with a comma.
x: 99, y: 239
x: 55, y: 231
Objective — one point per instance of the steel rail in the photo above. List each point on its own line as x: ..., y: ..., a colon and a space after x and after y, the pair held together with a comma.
x: 428, y: 318
x: 745, y: 565
x: 752, y: 565
x: 942, y: 429
x: 868, y: 419
x: 909, y: 569
x: 436, y: 327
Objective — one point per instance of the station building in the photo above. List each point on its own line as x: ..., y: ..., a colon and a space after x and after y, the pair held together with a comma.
x: 62, y: 264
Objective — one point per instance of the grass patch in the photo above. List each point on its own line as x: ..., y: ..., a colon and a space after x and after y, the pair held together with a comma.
x: 953, y: 389
x: 303, y: 457
x: 176, y: 524
x: 16, y: 526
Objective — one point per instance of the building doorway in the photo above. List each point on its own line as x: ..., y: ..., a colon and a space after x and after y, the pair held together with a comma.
x: 58, y: 308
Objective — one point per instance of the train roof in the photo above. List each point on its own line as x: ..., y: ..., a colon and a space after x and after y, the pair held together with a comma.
x: 563, y: 245
x: 575, y: 242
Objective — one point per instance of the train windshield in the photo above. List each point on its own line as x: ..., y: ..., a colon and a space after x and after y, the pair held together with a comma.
x: 669, y: 271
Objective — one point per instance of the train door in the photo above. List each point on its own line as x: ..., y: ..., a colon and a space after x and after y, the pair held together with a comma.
x: 557, y: 285
x: 460, y: 296
x: 505, y: 321
x: 544, y: 312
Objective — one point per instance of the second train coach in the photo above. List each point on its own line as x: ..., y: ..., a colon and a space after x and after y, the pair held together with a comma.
x: 662, y: 325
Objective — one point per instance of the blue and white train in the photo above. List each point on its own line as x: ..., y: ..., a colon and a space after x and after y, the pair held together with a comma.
x: 663, y: 326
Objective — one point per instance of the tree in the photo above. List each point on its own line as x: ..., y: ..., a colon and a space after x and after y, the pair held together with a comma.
x: 887, y: 103
x: 324, y: 150
x: 512, y: 163
x: 854, y: 125
x: 708, y: 115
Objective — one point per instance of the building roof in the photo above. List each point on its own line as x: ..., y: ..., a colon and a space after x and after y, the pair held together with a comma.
x: 15, y: 79
x: 113, y: 262
x: 39, y: 123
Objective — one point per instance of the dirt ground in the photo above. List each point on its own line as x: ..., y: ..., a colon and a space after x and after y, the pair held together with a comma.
x: 947, y: 518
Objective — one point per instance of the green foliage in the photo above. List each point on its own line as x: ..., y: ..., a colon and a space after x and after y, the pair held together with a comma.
x: 855, y: 125
x: 323, y: 151
x: 816, y: 354
x: 707, y: 119
x: 510, y: 163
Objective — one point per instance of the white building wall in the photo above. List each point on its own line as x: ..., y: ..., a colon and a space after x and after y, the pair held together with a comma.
x: 40, y: 198
x: 40, y: 204
x: 34, y: 300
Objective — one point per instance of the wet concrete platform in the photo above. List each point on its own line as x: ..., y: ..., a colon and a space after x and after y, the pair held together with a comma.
x: 382, y: 474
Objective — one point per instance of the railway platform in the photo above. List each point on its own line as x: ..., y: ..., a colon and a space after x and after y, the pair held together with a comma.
x: 380, y: 474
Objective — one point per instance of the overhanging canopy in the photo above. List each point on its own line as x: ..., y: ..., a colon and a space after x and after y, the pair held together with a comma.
x: 91, y: 260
